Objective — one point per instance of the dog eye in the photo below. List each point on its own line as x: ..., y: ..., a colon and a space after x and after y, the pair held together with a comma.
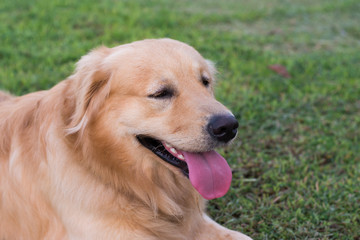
x: 162, y: 94
x: 205, y: 81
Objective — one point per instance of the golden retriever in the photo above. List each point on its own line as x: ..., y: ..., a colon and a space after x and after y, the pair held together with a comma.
x: 121, y: 149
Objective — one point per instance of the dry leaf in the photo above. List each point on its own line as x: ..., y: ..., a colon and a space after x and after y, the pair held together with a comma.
x: 281, y: 70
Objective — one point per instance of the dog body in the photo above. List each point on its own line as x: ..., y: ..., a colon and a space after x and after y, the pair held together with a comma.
x: 76, y: 161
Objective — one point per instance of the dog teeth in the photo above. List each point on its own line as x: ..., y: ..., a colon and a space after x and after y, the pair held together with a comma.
x: 173, y: 150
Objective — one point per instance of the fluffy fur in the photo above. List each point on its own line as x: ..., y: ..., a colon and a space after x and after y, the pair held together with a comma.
x: 72, y: 168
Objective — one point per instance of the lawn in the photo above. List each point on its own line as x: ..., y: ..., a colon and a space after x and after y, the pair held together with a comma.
x: 296, y: 160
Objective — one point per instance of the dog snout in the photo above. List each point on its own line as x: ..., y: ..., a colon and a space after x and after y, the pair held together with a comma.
x: 223, y: 127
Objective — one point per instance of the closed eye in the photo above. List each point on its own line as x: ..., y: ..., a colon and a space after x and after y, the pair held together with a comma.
x: 205, y: 81
x: 164, y: 93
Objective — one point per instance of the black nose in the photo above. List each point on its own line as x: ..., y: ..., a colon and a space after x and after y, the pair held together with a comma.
x: 223, y: 127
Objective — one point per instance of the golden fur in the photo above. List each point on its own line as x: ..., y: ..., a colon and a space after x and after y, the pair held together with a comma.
x: 71, y: 167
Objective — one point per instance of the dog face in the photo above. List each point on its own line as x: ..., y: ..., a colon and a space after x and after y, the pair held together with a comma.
x: 156, y: 98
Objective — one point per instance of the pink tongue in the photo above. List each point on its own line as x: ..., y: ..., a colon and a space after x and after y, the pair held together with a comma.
x: 209, y: 173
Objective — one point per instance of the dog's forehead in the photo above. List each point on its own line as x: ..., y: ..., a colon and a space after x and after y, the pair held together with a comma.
x: 158, y: 61
x: 158, y: 52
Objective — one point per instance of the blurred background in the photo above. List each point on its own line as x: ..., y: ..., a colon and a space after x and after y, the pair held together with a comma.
x: 288, y: 69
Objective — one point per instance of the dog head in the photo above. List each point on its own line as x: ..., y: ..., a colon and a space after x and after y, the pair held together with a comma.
x: 155, y: 98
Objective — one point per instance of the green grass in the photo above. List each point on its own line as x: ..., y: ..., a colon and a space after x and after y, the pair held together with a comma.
x: 296, y: 160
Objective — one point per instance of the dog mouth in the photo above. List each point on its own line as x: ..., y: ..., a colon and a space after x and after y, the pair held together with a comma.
x: 166, y: 152
x: 208, y: 172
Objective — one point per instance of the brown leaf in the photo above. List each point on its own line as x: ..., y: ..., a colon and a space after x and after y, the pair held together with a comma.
x: 276, y: 31
x: 281, y: 70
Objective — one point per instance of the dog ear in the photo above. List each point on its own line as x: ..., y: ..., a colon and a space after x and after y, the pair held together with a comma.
x: 90, y: 85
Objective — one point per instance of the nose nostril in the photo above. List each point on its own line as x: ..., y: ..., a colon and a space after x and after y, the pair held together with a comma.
x: 219, y: 131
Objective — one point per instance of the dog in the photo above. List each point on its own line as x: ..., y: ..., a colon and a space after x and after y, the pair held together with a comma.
x: 121, y: 149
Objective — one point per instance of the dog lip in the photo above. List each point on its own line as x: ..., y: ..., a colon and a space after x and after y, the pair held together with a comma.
x: 160, y: 150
